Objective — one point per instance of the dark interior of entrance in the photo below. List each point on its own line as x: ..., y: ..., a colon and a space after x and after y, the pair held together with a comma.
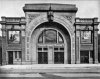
x: 10, y: 57
x: 84, y: 56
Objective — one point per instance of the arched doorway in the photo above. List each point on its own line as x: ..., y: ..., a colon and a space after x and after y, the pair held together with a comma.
x: 50, y: 42
x: 53, y: 44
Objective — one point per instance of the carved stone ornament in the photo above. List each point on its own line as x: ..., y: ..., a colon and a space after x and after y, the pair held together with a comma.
x: 69, y: 18
x: 32, y: 16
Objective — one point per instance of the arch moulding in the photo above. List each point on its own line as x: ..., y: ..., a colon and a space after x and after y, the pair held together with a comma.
x: 59, y: 19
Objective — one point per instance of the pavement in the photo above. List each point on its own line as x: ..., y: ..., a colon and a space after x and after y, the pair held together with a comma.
x: 79, y: 71
x: 52, y: 74
x: 49, y: 66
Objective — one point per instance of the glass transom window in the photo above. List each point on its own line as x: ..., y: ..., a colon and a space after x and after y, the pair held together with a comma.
x: 50, y: 36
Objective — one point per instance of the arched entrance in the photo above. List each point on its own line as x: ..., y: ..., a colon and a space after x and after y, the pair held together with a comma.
x: 52, y: 43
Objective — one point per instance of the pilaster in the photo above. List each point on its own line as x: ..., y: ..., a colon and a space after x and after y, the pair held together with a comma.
x: 77, y: 44
x: 4, y: 36
x: 23, y: 46
x: 95, y: 25
x: 4, y: 60
x: 95, y: 47
x: 73, y: 50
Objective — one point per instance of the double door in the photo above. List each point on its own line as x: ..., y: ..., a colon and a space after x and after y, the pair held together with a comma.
x: 50, y: 54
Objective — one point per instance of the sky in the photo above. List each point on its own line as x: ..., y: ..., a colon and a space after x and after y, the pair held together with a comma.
x: 86, y: 8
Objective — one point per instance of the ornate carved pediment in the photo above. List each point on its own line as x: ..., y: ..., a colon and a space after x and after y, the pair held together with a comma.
x: 32, y: 16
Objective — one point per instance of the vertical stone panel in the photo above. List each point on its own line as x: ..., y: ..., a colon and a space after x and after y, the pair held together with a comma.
x: 96, y: 47
x: 4, y: 61
x: 78, y: 47
x: 23, y: 43
x: 73, y: 54
x: 23, y: 49
x: 73, y: 50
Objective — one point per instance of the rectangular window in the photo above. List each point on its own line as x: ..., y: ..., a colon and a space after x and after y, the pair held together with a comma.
x: 13, y: 36
x: 86, y: 37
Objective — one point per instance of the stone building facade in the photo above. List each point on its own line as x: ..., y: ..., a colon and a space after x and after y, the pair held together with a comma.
x: 49, y: 34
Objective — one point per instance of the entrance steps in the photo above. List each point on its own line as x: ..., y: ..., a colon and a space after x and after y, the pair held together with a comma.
x: 51, y: 68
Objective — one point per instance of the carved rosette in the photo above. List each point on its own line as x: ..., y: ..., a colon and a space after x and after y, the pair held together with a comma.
x: 32, y: 16
x: 69, y: 18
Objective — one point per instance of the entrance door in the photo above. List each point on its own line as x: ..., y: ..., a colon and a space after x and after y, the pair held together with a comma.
x: 42, y: 58
x: 58, y: 57
x: 10, y: 57
x: 84, y: 56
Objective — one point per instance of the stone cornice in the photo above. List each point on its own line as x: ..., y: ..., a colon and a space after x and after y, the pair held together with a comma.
x: 46, y: 7
x: 86, y: 21
x: 13, y: 20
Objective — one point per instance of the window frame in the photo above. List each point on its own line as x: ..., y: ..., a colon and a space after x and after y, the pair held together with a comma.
x: 44, y: 38
x: 8, y: 41
x: 85, y: 41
